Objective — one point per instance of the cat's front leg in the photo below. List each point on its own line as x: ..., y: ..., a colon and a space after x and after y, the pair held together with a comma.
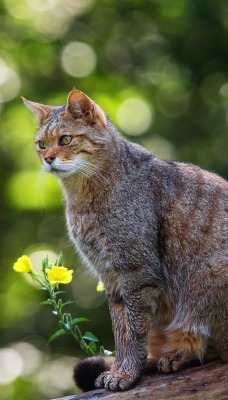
x: 131, y: 318
x: 117, y: 312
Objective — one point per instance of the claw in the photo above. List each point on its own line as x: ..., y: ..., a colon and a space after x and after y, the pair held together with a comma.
x: 173, y: 361
x: 115, y: 381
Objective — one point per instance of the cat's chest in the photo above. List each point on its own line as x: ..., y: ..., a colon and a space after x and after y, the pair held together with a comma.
x: 89, y: 238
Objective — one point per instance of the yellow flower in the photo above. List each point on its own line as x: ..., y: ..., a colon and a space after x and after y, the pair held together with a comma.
x: 100, y: 287
x: 59, y: 275
x: 23, y: 264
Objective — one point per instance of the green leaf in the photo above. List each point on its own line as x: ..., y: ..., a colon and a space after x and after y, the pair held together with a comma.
x: 66, y: 303
x: 90, y: 336
x: 78, y: 332
x: 77, y: 320
x: 84, y: 346
x: 59, y: 292
x: 49, y: 301
x: 60, y: 260
x: 58, y: 333
x: 45, y: 263
x: 102, y: 351
x: 93, y: 346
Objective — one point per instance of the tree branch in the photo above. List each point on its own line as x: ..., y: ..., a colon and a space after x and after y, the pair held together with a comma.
x: 208, y: 382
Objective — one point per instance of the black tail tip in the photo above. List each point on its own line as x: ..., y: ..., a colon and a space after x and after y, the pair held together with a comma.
x: 86, y: 371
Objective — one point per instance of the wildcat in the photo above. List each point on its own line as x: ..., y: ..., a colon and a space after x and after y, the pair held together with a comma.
x: 154, y: 231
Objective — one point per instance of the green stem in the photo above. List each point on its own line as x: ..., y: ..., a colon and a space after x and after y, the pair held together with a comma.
x: 36, y: 278
x: 67, y: 326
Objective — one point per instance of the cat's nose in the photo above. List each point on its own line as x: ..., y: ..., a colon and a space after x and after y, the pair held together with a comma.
x: 49, y: 160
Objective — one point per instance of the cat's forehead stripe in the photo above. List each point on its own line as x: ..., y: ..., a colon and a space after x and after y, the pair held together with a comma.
x: 50, y: 128
x: 49, y: 125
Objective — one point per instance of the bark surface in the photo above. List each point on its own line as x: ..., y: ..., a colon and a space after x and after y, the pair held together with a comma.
x: 208, y: 382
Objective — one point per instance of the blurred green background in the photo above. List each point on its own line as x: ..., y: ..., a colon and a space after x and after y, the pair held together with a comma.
x: 159, y: 68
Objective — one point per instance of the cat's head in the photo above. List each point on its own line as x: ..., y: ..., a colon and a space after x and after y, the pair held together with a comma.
x: 70, y: 139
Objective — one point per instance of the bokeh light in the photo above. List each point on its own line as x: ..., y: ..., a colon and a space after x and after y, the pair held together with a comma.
x: 42, y: 192
x: 172, y: 99
x: 78, y: 59
x: 19, y: 10
x: 134, y: 116
x: 161, y: 147
x: 9, y: 82
x: 11, y: 365
x: 37, y: 254
x: 42, y: 5
x: 211, y: 89
x: 31, y: 356
x: 50, y: 18
x: 56, y: 376
x: 90, y: 298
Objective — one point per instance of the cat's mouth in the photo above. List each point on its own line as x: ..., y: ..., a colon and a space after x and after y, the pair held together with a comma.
x: 60, y: 173
x: 52, y: 168
x: 56, y: 170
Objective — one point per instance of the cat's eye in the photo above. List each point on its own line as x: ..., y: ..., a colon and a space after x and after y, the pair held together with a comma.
x: 66, y: 139
x: 42, y: 144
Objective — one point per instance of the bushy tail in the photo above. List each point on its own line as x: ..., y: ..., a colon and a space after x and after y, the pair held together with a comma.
x: 87, y: 370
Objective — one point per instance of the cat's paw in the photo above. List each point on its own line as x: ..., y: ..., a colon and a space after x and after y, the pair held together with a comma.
x: 173, y: 361
x: 115, y: 381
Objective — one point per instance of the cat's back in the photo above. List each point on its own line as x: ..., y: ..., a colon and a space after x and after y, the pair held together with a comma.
x: 193, y: 217
x: 198, y: 190
x: 188, y: 204
x: 174, y: 180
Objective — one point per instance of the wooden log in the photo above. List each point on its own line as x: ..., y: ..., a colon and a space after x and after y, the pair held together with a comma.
x: 208, y: 382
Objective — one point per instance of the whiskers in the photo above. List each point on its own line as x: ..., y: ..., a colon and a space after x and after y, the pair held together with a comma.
x: 84, y: 169
x: 88, y: 170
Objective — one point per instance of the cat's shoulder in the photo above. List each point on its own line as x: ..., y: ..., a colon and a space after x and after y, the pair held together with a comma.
x: 171, y: 169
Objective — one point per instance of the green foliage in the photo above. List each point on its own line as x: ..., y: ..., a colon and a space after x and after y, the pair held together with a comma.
x: 54, y: 274
x: 169, y: 55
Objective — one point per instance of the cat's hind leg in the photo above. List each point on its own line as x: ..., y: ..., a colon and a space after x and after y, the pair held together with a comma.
x: 182, y: 350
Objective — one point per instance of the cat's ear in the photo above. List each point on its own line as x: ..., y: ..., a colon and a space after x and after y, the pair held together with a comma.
x: 81, y: 106
x: 41, y: 111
